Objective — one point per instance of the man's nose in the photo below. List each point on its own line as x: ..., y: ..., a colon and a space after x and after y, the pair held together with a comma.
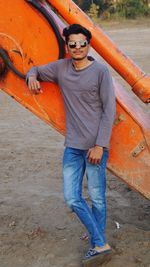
x: 78, y: 45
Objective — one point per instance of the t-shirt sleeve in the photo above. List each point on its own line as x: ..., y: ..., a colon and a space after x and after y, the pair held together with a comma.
x: 47, y: 73
x: 107, y: 97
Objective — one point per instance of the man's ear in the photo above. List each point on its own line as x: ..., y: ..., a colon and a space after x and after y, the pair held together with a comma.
x: 66, y: 49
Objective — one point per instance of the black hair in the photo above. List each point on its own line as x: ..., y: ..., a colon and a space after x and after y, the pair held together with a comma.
x: 76, y: 29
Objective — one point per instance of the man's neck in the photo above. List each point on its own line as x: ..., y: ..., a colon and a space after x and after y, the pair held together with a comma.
x: 81, y: 64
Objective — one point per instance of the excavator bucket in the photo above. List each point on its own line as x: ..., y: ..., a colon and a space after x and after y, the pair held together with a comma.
x: 31, y: 34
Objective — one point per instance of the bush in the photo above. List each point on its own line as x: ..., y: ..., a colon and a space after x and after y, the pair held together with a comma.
x: 119, y: 8
x: 94, y: 11
x: 132, y: 8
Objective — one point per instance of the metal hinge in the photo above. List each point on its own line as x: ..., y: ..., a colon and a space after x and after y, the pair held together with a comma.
x: 119, y: 118
x: 139, y: 148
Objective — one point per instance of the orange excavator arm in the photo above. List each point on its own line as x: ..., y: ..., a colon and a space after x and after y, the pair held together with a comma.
x: 31, y: 34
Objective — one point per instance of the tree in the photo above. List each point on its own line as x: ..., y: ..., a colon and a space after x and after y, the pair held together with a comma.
x: 84, y: 5
x: 93, y: 11
x: 132, y: 8
x: 125, y: 8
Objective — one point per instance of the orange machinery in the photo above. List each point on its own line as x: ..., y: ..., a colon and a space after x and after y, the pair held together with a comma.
x: 30, y: 34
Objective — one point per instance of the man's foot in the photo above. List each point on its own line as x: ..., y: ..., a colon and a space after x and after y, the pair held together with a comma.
x: 94, y: 257
x: 103, y: 248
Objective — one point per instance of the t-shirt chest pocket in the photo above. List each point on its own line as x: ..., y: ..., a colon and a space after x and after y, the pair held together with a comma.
x: 89, y: 94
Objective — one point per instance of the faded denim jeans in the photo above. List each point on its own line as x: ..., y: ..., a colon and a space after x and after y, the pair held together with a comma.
x: 75, y: 165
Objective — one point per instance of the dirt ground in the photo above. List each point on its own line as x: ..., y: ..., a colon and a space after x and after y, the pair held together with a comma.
x: 36, y: 227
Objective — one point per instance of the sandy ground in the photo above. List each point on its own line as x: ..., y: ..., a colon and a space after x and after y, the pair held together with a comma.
x: 36, y: 228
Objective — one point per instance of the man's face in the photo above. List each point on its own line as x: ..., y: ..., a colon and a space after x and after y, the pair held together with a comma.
x: 78, y: 46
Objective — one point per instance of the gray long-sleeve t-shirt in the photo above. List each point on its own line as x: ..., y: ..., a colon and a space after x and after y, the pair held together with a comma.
x: 89, y: 101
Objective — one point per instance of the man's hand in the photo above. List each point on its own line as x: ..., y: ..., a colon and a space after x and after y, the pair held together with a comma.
x: 34, y: 85
x: 94, y: 154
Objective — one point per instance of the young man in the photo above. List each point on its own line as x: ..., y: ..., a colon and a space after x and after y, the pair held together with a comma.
x: 89, y: 100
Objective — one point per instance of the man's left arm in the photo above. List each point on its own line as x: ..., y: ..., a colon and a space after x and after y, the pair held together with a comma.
x: 107, y: 97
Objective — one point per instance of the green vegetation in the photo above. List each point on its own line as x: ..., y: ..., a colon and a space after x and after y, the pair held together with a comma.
x: 115, y: 8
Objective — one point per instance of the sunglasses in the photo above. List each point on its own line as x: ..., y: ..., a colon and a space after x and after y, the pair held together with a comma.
x: 73, y: 44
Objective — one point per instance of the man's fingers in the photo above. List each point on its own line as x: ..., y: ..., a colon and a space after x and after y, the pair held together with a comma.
x: 94, y: 156
x: 89, y: 156
x: 37, y: 85
x: 93, y: 160
x: 34, y: 86
x: 33, y: 83
x: 98, y: 161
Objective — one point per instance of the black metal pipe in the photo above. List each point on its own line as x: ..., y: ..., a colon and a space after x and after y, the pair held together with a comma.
x: 52, y: 23
x: 3, y: 67
x: 9, y: 64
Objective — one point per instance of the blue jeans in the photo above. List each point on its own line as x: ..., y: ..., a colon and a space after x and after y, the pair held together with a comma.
x: 75, y: 164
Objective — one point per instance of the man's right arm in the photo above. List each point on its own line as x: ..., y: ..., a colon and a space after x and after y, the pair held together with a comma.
x: 41, y: 73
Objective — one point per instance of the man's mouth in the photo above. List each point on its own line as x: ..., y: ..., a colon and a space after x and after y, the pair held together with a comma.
x: 77, y: 52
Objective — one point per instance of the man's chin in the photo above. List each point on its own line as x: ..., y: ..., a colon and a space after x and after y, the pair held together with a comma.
x: 78, y: 58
